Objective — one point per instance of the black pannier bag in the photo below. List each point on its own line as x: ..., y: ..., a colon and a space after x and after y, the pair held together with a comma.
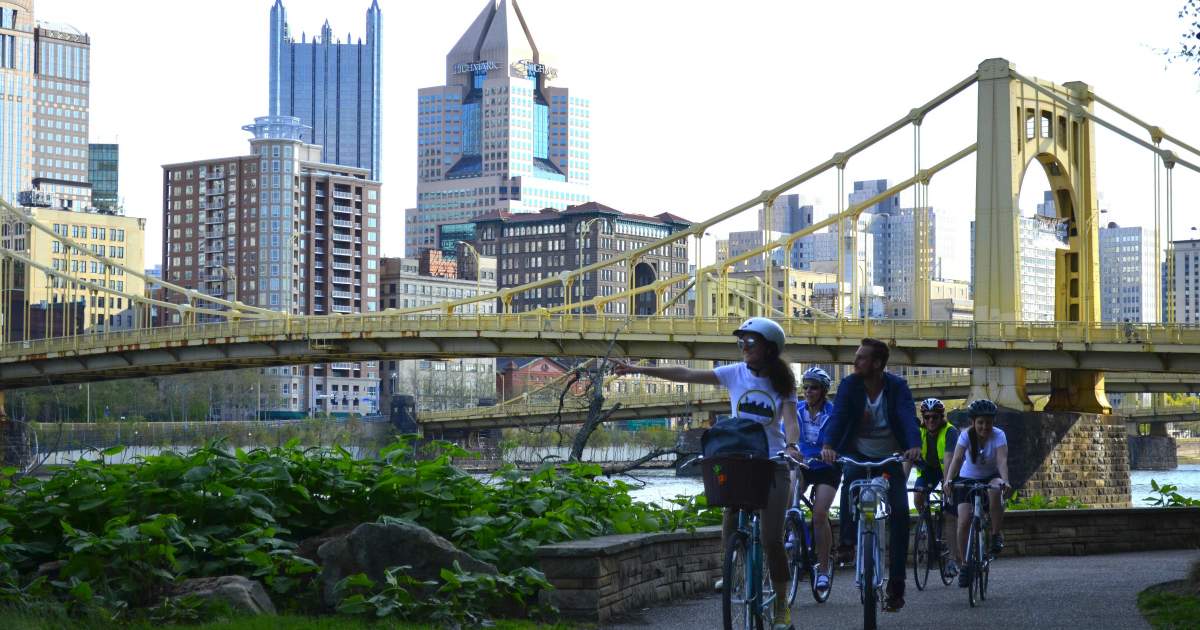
x: 737, y: 469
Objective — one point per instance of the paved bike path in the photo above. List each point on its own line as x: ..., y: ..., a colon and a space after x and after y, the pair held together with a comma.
x: 1046, y: 592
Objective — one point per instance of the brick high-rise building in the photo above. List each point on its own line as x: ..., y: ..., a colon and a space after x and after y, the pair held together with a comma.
x: 280, y: 229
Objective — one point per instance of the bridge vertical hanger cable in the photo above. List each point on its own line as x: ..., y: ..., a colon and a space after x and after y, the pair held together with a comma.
x: 1160, y: 296
x: 1170, y: 203
x: 840, y: 244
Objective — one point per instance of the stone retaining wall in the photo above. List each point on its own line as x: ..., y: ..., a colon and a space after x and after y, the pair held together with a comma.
x: 1152, y: 452
x: 602, y: 578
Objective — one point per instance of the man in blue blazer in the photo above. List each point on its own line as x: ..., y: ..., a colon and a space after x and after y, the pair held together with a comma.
x: 874, y: 417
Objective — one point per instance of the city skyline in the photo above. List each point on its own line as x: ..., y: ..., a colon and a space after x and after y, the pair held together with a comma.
x: 761, y: 142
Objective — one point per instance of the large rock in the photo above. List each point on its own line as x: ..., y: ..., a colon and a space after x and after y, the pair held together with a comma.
x: 242, y: 594
x: 372, y: 548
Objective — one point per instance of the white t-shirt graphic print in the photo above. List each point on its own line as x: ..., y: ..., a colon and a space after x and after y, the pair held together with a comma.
x: 752, y: 397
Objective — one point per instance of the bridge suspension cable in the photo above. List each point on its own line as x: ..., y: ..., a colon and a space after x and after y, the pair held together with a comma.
x: 234, y: 309
x: 698, y: 229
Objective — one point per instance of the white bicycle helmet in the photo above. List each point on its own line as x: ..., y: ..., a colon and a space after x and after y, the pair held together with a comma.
x: 816, y: 374
x: 769, y: 330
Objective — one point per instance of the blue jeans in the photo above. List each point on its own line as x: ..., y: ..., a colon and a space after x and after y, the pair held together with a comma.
x: 897, y: 521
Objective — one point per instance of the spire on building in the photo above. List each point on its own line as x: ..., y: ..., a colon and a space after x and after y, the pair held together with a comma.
x: 499, y: 34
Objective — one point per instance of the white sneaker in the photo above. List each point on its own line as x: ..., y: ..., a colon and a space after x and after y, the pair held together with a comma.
x: 720, y: 584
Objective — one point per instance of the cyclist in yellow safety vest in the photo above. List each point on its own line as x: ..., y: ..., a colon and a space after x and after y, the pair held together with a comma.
x: 938, y: 438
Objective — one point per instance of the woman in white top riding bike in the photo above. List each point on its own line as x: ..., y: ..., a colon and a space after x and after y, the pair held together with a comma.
x: 762, y: 388
x: 981, y: 454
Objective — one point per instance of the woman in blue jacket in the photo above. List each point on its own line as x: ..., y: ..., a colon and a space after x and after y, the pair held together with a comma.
x: 813, y: 417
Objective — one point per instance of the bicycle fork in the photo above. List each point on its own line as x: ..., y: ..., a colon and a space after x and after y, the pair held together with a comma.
x: 869, y: 537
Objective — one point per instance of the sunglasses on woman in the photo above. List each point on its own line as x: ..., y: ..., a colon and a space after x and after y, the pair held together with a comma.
x: 747, y: 343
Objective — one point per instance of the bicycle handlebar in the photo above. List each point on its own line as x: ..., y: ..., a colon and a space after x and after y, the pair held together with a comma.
x: 975, y: 485
x: 895, y: 458
x: 805, y: 465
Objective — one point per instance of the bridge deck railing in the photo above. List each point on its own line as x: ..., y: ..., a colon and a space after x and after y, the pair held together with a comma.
x: 981, y: 334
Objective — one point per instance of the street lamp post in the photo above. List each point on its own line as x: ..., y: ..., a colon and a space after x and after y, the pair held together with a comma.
x: 231, y: 275
x: 585, y: 229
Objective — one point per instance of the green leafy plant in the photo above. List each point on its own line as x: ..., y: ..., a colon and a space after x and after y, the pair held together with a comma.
x: 461, y: 598
x: 1167, y: 495
x: 126, y: 532
x: 1040, y: 502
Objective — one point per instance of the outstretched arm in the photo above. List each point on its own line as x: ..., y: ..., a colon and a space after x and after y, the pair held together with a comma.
x: 676, y: 373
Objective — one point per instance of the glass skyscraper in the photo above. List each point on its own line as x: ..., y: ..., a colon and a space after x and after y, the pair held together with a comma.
x: 331, y: 86
x: 497, y: 136
x: 103, y: 167
x: 16, y: 96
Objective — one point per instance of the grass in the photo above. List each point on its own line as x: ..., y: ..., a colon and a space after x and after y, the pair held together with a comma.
x: 1169, y: 609
x: 25, y: 621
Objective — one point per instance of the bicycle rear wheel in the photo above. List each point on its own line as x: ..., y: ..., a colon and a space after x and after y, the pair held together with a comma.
x: 943, y: 548
x: 922, y: 553
x: 974, y: 562
x: 866, y: 546
x: 736, y: 589
x: 796, y: 546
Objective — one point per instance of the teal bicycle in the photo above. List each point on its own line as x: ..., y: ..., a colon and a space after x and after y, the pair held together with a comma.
x: 747, y: 592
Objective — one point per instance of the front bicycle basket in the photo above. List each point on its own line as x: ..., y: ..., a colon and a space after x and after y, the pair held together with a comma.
x: 738, y: 482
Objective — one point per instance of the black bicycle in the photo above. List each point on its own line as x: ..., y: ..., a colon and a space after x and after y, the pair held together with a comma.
x: 978, y: 558
x: 800, y: 538
x: 928, y: 546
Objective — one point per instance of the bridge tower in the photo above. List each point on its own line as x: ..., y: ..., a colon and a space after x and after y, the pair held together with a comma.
x: 1021, y: 125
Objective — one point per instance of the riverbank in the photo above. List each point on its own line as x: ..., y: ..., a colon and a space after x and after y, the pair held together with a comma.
x: 1188, y: 450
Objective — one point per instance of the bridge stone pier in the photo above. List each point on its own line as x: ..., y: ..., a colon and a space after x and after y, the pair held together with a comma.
x: 1153, y: 452
x: 14, y: 440
x: 1084, y: 456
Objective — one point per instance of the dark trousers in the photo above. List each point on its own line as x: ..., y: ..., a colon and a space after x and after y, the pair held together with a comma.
x: 897, y: 520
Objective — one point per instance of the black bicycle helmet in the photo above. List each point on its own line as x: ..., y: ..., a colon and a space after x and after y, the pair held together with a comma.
x: 982, y: 407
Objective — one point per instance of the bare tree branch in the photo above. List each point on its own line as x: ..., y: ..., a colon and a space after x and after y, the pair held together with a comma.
x: 620, y: 469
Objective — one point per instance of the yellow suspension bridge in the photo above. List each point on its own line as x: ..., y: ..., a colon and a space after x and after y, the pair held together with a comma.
x: 1021, y: 121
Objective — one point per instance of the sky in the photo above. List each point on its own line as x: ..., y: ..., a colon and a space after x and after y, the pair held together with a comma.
x: 696, y: 106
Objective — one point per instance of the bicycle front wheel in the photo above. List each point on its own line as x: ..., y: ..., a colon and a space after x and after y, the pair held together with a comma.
x: 985, y: 561
x: 796, y: 545
x: 974, y: 562
x: 869, y: 593
x: 922, y: 553
x: 735, y: 588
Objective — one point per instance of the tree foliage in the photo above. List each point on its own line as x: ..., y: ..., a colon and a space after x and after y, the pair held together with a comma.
x: 1189, y: 41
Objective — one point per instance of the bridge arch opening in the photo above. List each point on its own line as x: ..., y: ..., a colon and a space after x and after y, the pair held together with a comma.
x: 645, y: 303
x: 1046, y: 204
x: 1023, y: 121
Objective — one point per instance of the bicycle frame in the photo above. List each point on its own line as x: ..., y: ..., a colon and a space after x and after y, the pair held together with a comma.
x: 871, y: 515
x: 978, y: 557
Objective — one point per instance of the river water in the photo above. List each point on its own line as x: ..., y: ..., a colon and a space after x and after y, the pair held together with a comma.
x: 661, y: 485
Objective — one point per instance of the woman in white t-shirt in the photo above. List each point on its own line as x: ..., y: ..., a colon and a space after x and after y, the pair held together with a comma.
x: 981, y: 454
x: 762, y: 388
